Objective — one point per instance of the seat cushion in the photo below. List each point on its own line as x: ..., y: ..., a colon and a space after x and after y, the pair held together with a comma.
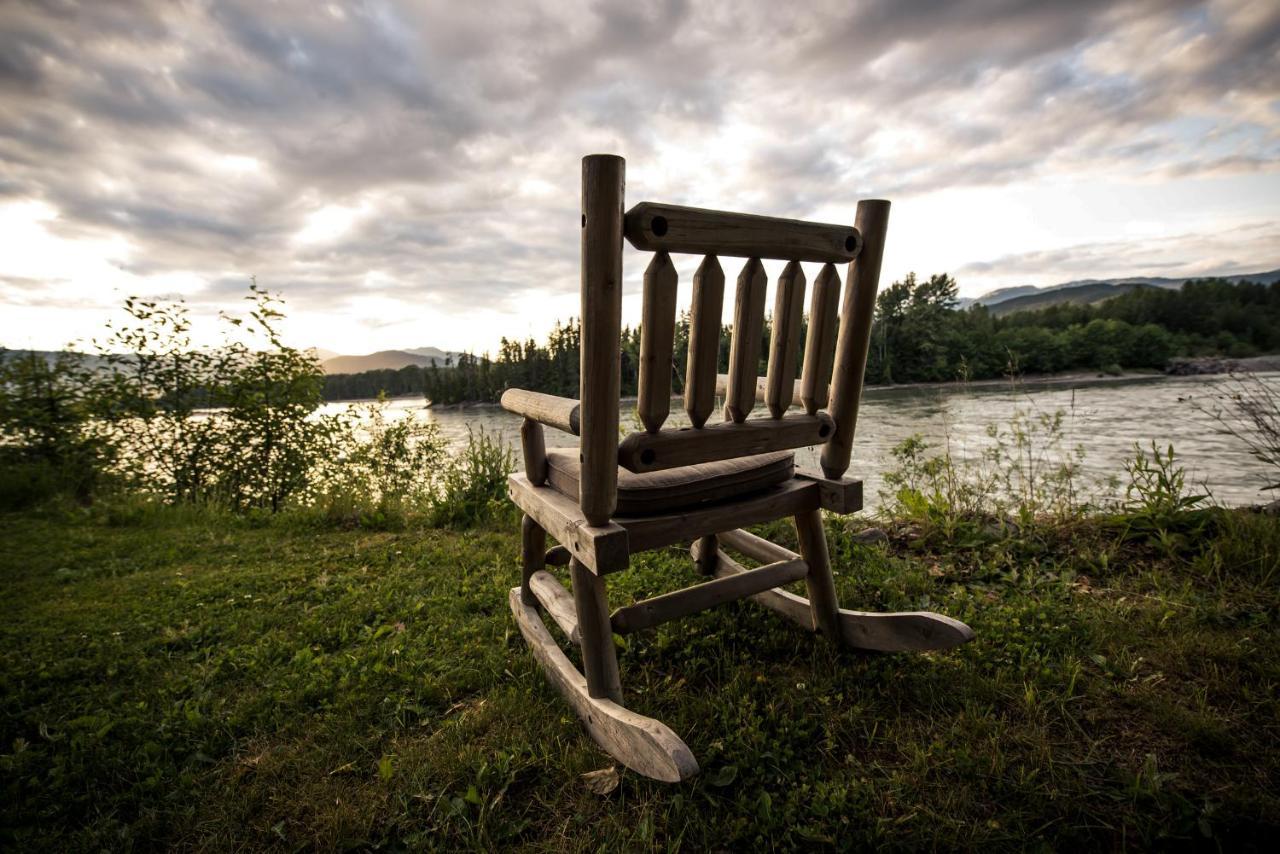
x: 678, y: 488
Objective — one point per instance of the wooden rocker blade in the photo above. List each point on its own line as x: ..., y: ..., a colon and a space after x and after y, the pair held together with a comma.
x: 643, y: 744
x: 894, y: 631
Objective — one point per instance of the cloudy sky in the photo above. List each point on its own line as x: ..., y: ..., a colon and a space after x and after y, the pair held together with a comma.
x: 407, y: 173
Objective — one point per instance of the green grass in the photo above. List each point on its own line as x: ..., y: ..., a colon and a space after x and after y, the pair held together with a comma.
x: 187, y: 679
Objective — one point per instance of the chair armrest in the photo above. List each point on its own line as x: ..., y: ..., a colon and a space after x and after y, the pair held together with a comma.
x: 558, y: 412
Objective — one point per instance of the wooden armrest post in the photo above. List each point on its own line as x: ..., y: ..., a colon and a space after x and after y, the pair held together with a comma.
x: 533, y: 444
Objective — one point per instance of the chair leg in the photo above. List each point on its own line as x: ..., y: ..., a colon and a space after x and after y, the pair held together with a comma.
x: 599, y: 659
x: 821, y: 586
x: 533, y: 544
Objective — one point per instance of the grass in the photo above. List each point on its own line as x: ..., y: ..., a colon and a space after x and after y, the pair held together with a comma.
x: 186, y: 679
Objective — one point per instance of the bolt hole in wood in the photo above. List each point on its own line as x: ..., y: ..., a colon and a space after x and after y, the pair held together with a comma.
x: 658, y: 226
x: 823, y: 431
x: 850, y: 243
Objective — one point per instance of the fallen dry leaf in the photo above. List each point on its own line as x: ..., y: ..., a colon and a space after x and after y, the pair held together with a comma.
x: 602, y: 782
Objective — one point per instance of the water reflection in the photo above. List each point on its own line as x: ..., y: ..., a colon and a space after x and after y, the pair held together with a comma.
x: 1105, y: 417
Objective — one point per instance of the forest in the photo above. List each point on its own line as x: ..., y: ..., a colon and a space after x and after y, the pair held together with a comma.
x: 918, y: 336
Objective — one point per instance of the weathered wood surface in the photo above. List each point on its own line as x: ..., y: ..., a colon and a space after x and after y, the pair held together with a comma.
x: 788, y: 308
x: 819, y: 582
x: 603, y: 180
x: 657, y: 337
x: 744, y: 347
x: 656, y: 226
x: 599, y: 658
x: 707, y: 546
x: 603, y: 548
x: 558, y: 412
x: 893, y: 631
x: 820, y: 346
x: 533, y: 539
x: 533, y: 447
x: 700, y: 597
x: 653, y: 532
x: 642, y: 744
x: 841, y: 495
x: 642, y: 452
x: 855, y: 335
x: 556, y: 601
x: 704, y: 341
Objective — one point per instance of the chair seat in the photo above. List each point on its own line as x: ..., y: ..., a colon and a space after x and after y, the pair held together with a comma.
x: 678, y: 488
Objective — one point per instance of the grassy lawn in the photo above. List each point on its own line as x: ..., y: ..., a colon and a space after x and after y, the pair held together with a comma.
x: 190, y: 680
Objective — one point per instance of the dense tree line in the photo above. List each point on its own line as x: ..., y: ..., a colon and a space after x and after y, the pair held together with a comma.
x: 918, y: 336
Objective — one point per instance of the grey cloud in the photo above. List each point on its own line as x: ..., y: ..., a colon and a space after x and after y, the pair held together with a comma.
x: 450, y: 122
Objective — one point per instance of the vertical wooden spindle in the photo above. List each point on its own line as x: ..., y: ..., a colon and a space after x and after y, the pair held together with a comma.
x: 603, y: 180
x: 820, y: 345
x: 533, y: 544
x: 657, y: 338
x: 704, y: 341
x: 788, y: 306
x: 855, y: 335
x: 599, y: 658
x: 744, y: 358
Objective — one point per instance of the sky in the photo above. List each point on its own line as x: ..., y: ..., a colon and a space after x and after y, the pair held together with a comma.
x: 407, y: 174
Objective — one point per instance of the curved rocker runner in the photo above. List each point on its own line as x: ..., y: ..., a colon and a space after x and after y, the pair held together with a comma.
x: 604, y: 501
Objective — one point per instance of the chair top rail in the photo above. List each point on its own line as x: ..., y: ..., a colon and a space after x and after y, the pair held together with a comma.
x: 654, y: 226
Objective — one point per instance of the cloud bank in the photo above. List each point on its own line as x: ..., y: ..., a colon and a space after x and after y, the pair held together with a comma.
x: 407, y: 174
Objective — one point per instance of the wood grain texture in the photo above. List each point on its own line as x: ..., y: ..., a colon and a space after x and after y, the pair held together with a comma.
x: 700, y: 597
x: 657, y: 337
x: 855, y: 335
x: 603, y: 180
x: 820, y: 345
x: 603, y: 548
x: 819, y: 582
x: 558, y: 412
x: 704, y: 341
x: 599, y: 658
x: 893, y: 631
x: 533, y: 539
x: 654, y: 532
x: 533, y: 447
x: 744, y: 349
x: 841, y: 495
x: 644, y: 745
x: 788, y: 309
x: 557, y: 602
x: 656, y: 226
x: 644, y: 452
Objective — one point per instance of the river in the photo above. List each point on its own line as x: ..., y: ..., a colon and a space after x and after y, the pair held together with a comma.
x: 1104, y: 416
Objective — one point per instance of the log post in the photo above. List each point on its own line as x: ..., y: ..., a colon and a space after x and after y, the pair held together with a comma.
x: 603, y: 181
x: 599, y: 658
x: 533, y: 446
x: 533, y: 542
x: 820, y: 584
x: 855, y: 335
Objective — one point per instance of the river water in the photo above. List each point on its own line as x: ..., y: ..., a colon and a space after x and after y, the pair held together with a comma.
x: 1105, y: 417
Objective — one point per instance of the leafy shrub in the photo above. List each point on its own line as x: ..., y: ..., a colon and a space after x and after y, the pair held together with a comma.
x: 474, y: 482
x: 50, y: 443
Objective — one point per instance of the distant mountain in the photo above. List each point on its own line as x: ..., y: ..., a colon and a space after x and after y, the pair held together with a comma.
x: 1029, y: 297
x: 379, y: 361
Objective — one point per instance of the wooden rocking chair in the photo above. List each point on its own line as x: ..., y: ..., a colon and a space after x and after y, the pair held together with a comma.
x: 703, y: 484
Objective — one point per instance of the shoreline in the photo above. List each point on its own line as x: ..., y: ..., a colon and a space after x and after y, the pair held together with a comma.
x: 1210, y: 366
